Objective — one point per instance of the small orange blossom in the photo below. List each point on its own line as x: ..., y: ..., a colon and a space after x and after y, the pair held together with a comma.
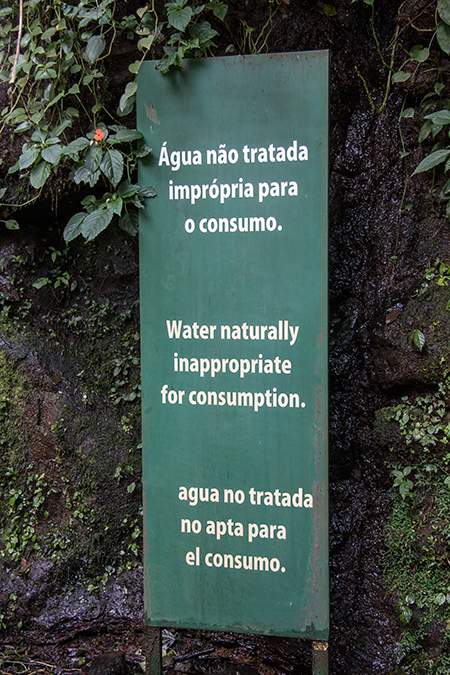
x: 98, y: 135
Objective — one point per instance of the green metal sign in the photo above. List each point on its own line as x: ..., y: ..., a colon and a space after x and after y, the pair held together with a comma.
x: 234, y: 344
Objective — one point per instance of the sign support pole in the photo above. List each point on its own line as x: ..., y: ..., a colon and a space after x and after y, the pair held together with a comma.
x: 152, y: 650
x: 320, y: 658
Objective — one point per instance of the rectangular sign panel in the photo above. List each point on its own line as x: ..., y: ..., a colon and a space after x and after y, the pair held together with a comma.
x: 234, y: 343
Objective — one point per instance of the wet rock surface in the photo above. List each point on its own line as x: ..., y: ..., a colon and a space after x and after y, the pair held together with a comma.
x: 378, y: 254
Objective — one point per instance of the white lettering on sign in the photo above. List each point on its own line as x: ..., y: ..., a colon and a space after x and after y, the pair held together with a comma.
x: 282, y: 331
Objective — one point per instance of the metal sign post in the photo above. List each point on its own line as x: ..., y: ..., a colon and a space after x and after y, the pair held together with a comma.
x: 234, y: 344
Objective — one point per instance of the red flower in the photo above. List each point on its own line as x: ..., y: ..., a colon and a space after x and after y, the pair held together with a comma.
x: 98, y: 135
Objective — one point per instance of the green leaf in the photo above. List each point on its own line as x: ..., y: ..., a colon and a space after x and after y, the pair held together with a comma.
x: 432, y: 160
x: 425, y: 130
x: 143, y: 151
x: 219, y: 9
x: 177, y: 16
x: 144, y: 44
x: 115, y: 204
x: 40, y: 283
x: 131, y: 488
x: 405, y: 488
x: 93, y: 158
x: 46, y: 74
x: 203, y: 32
x: 95, y: 46
x: 48, y: 33
x: 442, y: 117
x: 28, y: 158
x: 112, y: 166
x: 130, y: 90
x: 443, y: 8
x: 327, y: 9
x: 408, y: 112
x: 443, y: 36
x: 134, y: 67
x: 95, y: 222
x: 418, y: 338
x: 400, y: 76
x: 129, y: 222
x: 39, y: 174
x: 73, y: 227
x: 419, y: 53
x: 23, y: 126
x: 39, y: 136
x: 52, y: 154
x: 76, y: 146
x: 11, y: 224
x: 127, y: 189
x: 147, y: 191
x: 125, y: 135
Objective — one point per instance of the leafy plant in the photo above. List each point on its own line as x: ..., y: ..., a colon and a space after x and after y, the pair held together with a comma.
x: 53, y: 58
x: 418, y: 532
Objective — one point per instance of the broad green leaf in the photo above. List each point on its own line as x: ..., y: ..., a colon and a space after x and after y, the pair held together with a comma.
x: 28, y: 158
x: 115, y: 204
x: 40, y: 283
x: 443, y: 8
x: 52, y: 154
x: 425, y: 130
x: 95, y: 46
x: 134, y: 67
x: 408, y: 112
x: 129, y: 222
x: 432, y: 160
x: 147, y: 191
x: 127, y: 189
x: 39, y: 136
x: 130, y: 90
x: 2, y: 192
x: 11, y: 224
x: 39, y: 174
x: 95, y: 222
x: 93, y: 158
x: 46, y: 74
x: 125, y: 135
x: 418, y: 338
x: 144, y: 43
x: 219, y: 9
x: 400, y: 76
x: 442, y: 117
x: 443, y: 36
x: 419, y: 53
x: 48, y: 33
x: 23, y: 126
x: 177, y: 16
x: 143, y: 151
x: 83, y: 175
x: 203, y: 32
x: 76, y: 146
x: 112, y: 166
x: 73, y: 227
